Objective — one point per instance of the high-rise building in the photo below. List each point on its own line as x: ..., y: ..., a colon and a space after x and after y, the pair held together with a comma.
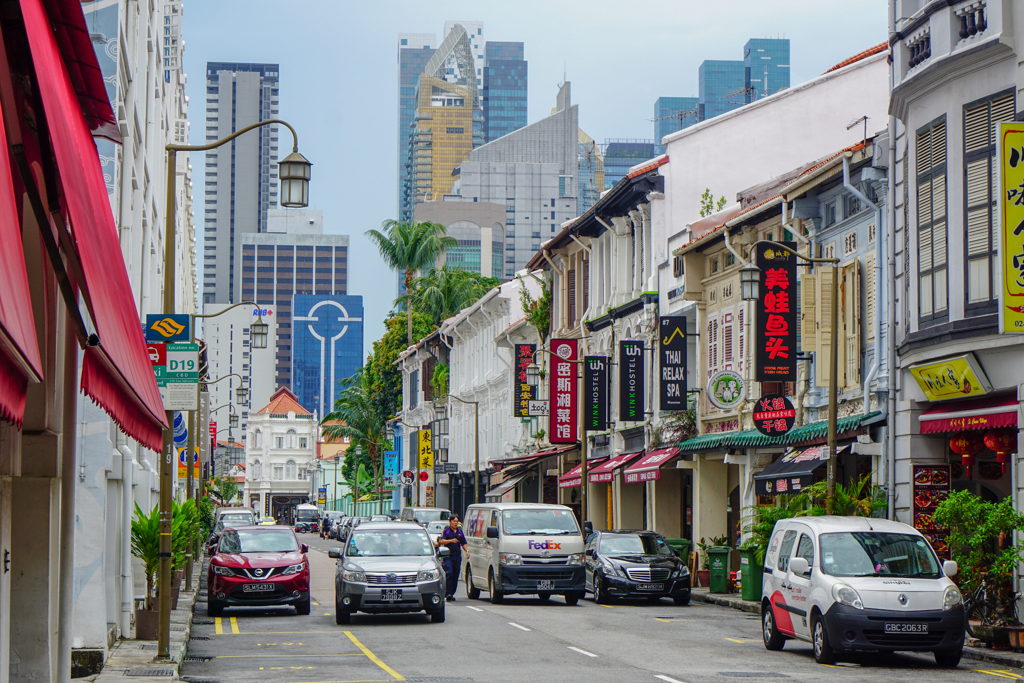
x: 622, y: 155
x: 721, y: 83
x: 672, y: 114
x: 414, y: 51
x: 591, y: 172
x: 241, y: 176
x: 328, y: 347
x: 505, y: 80
x: 479, y: 228
x: 766, y: 66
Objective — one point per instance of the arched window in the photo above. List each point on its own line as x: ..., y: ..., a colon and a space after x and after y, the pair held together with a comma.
x: 257, y: 438
x: 257, y: 470
x: 291, y: 439
x: 290, y: 471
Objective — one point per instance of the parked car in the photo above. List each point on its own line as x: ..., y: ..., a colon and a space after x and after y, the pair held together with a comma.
x: 388, y: 567
x: 424, y: 515
x: 347, y: 525
x: 857, y: 583
x: 435, y: 529
x: 225, y: 522
x: 634, y: 564
x: 242, y: 513
x: 381, y: 518
x: 256, y: 566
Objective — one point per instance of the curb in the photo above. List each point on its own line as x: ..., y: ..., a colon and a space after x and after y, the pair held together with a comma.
x: 984, y: 655
x: 741, y: 605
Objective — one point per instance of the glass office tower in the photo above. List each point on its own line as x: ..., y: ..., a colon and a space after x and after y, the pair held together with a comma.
x: 766, y: 66
x: 505, y: 78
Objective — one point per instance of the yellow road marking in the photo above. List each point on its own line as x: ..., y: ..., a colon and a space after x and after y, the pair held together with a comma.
x: 327, y: 614
x: 361, y: 680
x: 999, y: 673
x: 735, y: 640
x: 317, y: 604
x: 353, y: 654
x: 218, y: 626
x: 608, y: 606
x: 373, y: 658
x: 662, y: 620
x: 277, y: 633
x: 234, y: 625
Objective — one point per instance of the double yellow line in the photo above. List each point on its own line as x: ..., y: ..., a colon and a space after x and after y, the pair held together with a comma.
x: 218, y: 625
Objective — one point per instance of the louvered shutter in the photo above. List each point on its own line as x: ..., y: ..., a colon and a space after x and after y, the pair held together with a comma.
x: 851, y: 322
x: 727, y: 341
x: 870, y: 283
x: 823, y: 348
x: 741, y: 362
x: 586, y: 285
x: 571, y: 294
x: 808, y: 317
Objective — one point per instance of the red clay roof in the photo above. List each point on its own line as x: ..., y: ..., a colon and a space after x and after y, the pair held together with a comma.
x: 881, y: 47
x: 660, y: 161
x: 284, y: 401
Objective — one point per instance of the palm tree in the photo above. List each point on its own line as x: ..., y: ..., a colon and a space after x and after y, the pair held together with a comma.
x: 445, y: 291
x: 409, y: 247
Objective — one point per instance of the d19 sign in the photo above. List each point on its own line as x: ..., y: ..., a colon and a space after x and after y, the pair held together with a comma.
x: 774, y: 415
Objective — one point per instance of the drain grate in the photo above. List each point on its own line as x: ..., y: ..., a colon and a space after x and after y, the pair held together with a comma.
x: 199, y: 638
x: 193, y: 659
x: 751, y: 674
x: 437, y: 680
x: 148, y: 647
x: 169, y: 673
x: 177, y: 628
x: 202, y: 622
x: 198, y: 679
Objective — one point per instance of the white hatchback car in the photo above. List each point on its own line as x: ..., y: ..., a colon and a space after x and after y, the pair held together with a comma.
x: 856, y: 583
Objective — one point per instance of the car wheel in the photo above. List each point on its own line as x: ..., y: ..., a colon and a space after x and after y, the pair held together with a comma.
x: 948, y: 659
x: 600, y: 594
x: 572, y: 598
x: 496, y: 595
x: 438, y: 616
x: 341, y: 617
x: 682, y: 600
x: 543, y: 597
x: 471, y: 590
x: 214, y: 608
x: 773, y: 640
x: 302, y: 608
x: 823, y: 653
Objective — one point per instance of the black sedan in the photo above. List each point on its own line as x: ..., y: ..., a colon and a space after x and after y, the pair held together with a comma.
x: 634, y: 564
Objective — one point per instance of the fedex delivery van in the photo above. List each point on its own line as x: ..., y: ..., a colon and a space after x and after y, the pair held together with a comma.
x: 524, y: 548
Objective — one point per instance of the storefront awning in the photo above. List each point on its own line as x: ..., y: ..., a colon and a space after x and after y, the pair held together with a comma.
x: 116, y: 373
x: 574, y: 477
x: 792, y: 472
x: 648, y: 468
x: 991, y: 412
x: 497, y: 493
x: 606, y: 472
x: 752, y: 438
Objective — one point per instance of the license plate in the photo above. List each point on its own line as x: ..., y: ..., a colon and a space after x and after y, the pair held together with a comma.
x: 906, y: 628
x: 650, y: 586
x: 391, y: 595
x: 257, y: 587
x: 546, y: 585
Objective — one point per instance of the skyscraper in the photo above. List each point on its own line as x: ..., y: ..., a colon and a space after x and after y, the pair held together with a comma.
x: 622, y: 155
x: 414, y: 51
x: 672, y: 114
x: 328, y: 336
x: 479, y: 228
x: 721, y: 84
x: 241, y: 176
x: 766, y: 65
x: 505, y: 80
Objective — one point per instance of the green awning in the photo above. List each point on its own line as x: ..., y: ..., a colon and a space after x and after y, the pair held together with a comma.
x: 752, y: 438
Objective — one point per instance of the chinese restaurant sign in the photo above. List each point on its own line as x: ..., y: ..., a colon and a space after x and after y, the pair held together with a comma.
x: 595, y: 393
x: 562, y: 420
x: 522, y: 392
x: 1011, y: 204
x: 957, y: 377
x: 631, y: 380
x: 776, y: 314
x: 672, y: 348
x: 773, y: 415
x: 426, y: 456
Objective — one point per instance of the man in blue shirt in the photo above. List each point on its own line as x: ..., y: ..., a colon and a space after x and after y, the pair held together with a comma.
x: 455, y: 540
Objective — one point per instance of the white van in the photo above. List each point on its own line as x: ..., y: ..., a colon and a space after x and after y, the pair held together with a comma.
x: 524, y: 548
x: 857, y: 583
x: 424, y: 515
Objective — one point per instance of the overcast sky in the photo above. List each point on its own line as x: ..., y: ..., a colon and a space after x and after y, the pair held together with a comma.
x: 339, y: 77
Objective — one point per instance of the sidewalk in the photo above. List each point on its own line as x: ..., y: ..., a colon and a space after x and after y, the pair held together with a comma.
x: 982, y: 654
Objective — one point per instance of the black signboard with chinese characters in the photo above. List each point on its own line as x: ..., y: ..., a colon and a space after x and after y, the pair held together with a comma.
x: 631, y: 380
x: 522, y: 392
x: 595, y: 393
x: 672, y: 354
x: 776, y: 314
x: 774, y: 415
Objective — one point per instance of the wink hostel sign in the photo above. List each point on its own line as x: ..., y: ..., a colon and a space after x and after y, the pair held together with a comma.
x: 631, y: 380
x: 595, y: 388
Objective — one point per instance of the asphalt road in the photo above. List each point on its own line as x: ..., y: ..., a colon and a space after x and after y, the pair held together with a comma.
x: 522, y: 641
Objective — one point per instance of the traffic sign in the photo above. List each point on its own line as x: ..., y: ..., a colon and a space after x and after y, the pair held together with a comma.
x: 445, y: 467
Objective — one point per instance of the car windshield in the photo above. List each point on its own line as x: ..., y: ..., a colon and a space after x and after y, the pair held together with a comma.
x: 424, y: 516
x: 233, y: 522
x: 412, y: 542
x: 437, y: 527
x: 259, y: 541
x: 546, y: 522
x: 633, y: 544
x: 877, y: 554
x: 302, y: 515
x: 380, y: 518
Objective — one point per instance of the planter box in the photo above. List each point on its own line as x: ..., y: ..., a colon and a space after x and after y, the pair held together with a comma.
x: 1016, y: 636
x: 147, y: 624
x: 704, y: 577
x: 992, y: 634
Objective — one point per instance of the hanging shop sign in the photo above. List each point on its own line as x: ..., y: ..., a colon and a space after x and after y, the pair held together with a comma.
x: 774, y: 415
x: 956, y: 377
x: 1011, y: 206
x: 425, y: 455
x: 931, y: 487
x: 522, y: 392
x: 776, y: 315
x: 595, y: 393
x: 562, y: 420
x: 631, y: 380
x: 321, y: 496
x: 726, y: 390
x: 391, y: 470
x: 672, y: 357
x: 539, y: 408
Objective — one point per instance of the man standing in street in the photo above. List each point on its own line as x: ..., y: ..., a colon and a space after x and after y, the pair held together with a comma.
x: 455, y: 540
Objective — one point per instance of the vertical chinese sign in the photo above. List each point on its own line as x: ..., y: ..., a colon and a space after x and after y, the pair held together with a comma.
x: 672, y: 357
x: 426, y: 456
x: 595, y: 393
x: 562, y: 419
x: 776, y: 315
x: 522, y: 392
x: 631, y: 380
x: 1011, y: 205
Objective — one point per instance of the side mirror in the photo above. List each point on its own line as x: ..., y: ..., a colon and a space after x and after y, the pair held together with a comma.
x: 305, y: 548
x: 334, y: 553
x: 443, y: 551
x: 798, y: 565
x: 588, y: 528
x: 950, y: 568
x: 589, y: 552
x: 492, y: 532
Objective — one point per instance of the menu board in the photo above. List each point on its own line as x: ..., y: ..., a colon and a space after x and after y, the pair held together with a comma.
x: 931, y: 487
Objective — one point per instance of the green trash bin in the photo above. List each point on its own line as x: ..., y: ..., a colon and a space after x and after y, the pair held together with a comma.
x: 681, y: 546
x: 750, y: 575
x: 718, y: 557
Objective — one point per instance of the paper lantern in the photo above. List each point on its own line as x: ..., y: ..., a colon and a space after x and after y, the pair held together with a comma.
x: 1004, y: 443
x: 966, y: 445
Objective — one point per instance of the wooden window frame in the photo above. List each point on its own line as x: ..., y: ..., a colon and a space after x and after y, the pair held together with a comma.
x: 933, y: 172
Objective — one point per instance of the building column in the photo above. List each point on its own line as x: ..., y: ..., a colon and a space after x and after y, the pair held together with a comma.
x: 710, y: 494
x: 637, y: 251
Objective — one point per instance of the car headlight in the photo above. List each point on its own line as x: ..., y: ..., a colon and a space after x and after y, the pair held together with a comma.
x: 510, y: 559
x: 846, y: 595
x: 682, y: 572
x: 613, y: 569
x: 293, y: 569
x: 353, y: 576
x: 951, y: 598
x: 223, y: 571
x: 429, y: 575
x: 574, y: 559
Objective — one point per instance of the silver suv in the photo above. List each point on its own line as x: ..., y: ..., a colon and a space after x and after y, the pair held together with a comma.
x: 388, y: 567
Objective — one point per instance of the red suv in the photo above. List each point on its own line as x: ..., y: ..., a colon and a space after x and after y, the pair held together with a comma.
x: 256, y: 566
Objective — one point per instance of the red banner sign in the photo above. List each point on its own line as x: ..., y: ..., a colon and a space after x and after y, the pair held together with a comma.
x: 776, y: 315
x: 563, y: 419
x: 522, y: 392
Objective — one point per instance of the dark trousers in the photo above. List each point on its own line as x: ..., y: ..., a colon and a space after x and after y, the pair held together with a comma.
x: 452, y: 567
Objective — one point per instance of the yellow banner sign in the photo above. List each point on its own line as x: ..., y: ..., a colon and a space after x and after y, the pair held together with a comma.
x: 426, y: 456
x: 1011, y: 205
x: 958, y: 377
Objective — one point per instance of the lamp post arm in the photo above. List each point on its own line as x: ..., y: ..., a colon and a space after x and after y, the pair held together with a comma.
x: 213, y: 145
x: 224, y: 378
x: 241, y: 303
x: 226, y: 405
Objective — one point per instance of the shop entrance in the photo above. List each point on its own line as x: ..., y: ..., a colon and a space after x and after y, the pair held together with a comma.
x: 283, y: 508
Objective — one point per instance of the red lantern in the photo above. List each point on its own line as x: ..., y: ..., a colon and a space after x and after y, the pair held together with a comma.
x: 1003, y: 442
x: 967, y: 445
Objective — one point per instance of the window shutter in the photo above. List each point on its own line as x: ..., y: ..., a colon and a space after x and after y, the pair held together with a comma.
x: 808, y: 319
x: 586, y: 284
x: 571, y: 294
x: 976, y: 129
x: 741, y: 361
x: 712, y: 347
x: 1002, y: 110
x: 869, y: 295
x: 851, y: 315
x: 727, y: 342
x: 428, y: 375
x: 823, y: 349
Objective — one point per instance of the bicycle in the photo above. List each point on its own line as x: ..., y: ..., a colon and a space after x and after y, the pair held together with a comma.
x: 980, y: 608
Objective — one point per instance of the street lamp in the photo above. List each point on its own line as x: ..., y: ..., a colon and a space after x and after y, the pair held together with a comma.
x: 750, y: 278
x: 293, y: 172
x: 258, y: 331
x: 240, y: 394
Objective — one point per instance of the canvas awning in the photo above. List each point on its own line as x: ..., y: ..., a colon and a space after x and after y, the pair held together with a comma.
x: 648, y: 468
x: 606, y: 472
x: 574, y: 477
x: 792, y: 472
x: 498, y: 492
x: 990, y: 412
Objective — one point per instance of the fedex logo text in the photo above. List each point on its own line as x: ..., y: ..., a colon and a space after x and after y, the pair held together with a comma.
x: 545, y: 545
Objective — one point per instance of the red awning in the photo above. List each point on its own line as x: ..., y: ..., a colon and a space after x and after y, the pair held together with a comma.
x: 574, y: 477
x: 19, y: 348
x: 648, y: 468
x: 991, y: 412
x: 606, y: 472
x: 117, y: 373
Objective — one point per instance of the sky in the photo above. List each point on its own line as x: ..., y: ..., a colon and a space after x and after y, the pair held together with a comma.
x: 339, y: 78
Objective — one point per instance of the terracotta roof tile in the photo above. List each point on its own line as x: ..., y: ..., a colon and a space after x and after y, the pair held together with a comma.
x: 881, y: 47
x: 659, y: 161
x: 284, y: 401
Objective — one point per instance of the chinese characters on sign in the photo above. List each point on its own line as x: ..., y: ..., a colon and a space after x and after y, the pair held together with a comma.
x: 673, y: 362
x: 931, y: 487
x: 631, y: 380
x: 773, y: 415
x: 595, y: 393
x: 957, y: 377
x: 776, y: 314
x: 1011, y: 204
x: 562, y: 420
x: 425, y: 455
x: 522, y: 392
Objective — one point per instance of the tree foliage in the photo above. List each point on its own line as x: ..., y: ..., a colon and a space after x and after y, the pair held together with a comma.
x: 445, y: 291
x: 384, y: 377
x: 224, y: 488
x: 538, y: 311
x: 707, y: 203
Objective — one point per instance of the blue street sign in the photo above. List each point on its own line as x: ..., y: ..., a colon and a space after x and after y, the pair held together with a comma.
x: 173, y: 327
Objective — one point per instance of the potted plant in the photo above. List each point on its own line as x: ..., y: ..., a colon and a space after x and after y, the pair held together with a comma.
x: 146, y: 547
